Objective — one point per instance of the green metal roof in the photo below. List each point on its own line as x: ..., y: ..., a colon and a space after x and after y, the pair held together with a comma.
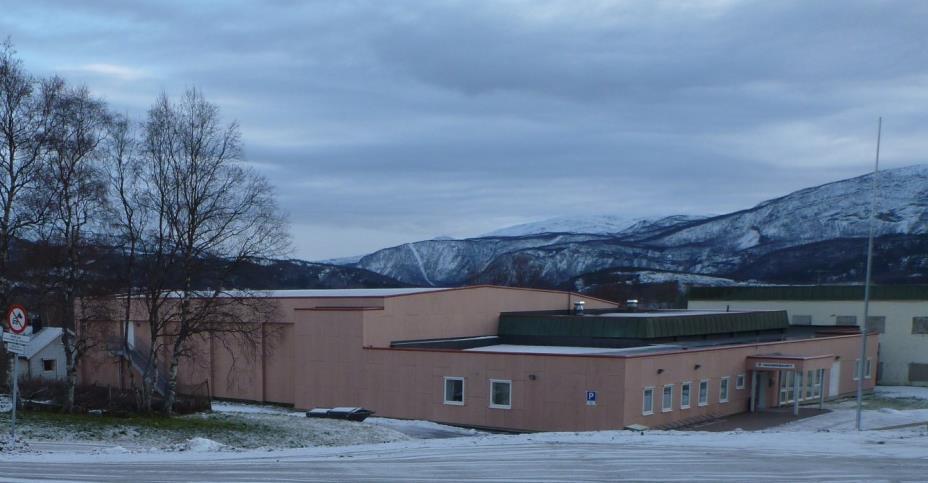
x: 810, y: 292
x: 639, y: 326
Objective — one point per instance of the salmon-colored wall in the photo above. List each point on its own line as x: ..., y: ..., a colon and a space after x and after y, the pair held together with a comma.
x: 719, y: 362
x: 465, y: 312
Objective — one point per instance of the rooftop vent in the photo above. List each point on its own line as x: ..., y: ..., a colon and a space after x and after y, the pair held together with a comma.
x: 578, y: 307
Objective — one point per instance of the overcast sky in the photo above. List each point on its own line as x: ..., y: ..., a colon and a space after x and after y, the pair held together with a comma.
x: 384, y: 122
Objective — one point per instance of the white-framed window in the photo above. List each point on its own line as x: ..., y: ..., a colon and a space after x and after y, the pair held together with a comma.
x: 647, y: 403
x: 667, y: 399
x: 703, y: 392
x: 867, y: 368
x: 685, y: 393
x: 454, y: 391
x: 500, y: 394
x: 856, y: 369
x: 723, y: 389
x: 739, y: 381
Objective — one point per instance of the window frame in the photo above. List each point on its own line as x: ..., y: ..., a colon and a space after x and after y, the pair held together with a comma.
x: 740, y: 381
x: 54, y: 365
x: 668, y: 408
x: 724, y: 382
x: 858, y: 369
x: 689, y: 394
x: 494, y: 405
x: 444, y: 387
x: 699, y: 398
x: 645, y: 398
x: 868, y: 368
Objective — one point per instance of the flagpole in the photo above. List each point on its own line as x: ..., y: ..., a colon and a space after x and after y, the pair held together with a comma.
x: 864, y: 328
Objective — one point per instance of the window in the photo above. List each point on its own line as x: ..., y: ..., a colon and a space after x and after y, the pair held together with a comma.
x: 703, y: 392
x: 877, y: 323
x: 685, y: 395
x: 667, y: 399
x: 647, y: 405
x: 920, y: 325
x: 867, y: 372
x: 856, y: 369
x: 846, y: 320
x: 500, y: 394
x: 801, y: 320
x: 739, y: 381
x: 48, y: 365
x: 723, y: 389
x: 454, y: 391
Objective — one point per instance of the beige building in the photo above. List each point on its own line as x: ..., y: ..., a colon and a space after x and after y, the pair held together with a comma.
x: 521, y: 359
x: 898, y: 312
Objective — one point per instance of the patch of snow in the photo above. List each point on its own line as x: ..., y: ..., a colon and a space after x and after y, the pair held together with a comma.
x: 598, y: 224
x: 202, y: 444
x: 901, y: 392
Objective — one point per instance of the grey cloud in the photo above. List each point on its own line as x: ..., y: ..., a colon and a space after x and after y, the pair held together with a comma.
x: 382, y: 122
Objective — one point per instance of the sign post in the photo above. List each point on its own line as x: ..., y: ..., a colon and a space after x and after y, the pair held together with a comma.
x: 17, y: 320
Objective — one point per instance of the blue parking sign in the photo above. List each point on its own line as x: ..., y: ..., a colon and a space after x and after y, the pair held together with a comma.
x: 591, y: 398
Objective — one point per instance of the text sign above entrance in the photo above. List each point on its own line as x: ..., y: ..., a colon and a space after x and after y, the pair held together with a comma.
x: 15, y: 338
x: 774, y: 365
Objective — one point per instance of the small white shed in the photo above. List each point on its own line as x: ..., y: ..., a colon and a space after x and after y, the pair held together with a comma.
x: 44, y: 357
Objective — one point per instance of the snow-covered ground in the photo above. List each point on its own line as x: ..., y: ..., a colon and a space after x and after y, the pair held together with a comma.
x: 823, y: 447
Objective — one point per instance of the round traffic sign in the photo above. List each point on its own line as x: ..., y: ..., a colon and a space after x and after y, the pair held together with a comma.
x: 17, y: 319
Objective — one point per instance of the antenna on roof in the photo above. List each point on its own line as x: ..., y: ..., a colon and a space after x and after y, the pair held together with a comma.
x: 862, y: 364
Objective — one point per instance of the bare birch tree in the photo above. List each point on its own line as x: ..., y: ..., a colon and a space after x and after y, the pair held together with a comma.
x: 25, y: 120
x: 215, y: 215
x: 74, y: 174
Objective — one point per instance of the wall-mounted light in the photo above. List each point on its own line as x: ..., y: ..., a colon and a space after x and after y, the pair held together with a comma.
x: 532, y: 377
x: 660, y: 371
x: 696, y: 367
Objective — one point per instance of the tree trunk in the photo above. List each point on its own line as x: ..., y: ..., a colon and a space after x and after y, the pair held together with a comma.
x: 171, y: 392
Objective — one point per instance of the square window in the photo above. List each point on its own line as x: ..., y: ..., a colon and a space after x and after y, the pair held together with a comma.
x: 500, y: 394
x: 739, y: 381
x: 703, y: 392
x: 647, y: 405
x: 920, y: 325
x: 723, y: 390
x: 685, y: 395
x: 454, y: 391
x: 48, y: 365
x: 667, y: 399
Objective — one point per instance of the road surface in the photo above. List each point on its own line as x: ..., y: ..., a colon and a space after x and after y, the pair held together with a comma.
x: 529, y: 461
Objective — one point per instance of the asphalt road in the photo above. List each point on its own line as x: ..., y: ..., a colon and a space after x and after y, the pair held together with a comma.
x: 490, y: 463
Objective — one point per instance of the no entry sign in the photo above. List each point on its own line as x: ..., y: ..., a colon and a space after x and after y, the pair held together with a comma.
x: 16, y: 319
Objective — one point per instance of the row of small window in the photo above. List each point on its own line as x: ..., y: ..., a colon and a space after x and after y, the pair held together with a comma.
x: 647, y: 407
x: 500, y: 392
x: 874, y: 322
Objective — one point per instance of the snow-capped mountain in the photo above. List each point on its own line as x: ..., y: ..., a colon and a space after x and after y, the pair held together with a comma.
x: 808, y: 235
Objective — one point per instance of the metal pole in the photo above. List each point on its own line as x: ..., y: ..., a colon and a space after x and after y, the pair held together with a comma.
x: 15, y: 391
x: 864, y: 326
x: 753, y: 391
x: 797, y: 386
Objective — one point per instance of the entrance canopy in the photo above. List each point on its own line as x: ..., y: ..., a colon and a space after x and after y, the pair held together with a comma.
x: 787, y: 362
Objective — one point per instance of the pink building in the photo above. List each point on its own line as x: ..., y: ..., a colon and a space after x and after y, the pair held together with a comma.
x: 523, y: 359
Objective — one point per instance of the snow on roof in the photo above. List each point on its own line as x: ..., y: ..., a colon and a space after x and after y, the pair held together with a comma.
x: 543, y: 349
x: 41, y: 340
